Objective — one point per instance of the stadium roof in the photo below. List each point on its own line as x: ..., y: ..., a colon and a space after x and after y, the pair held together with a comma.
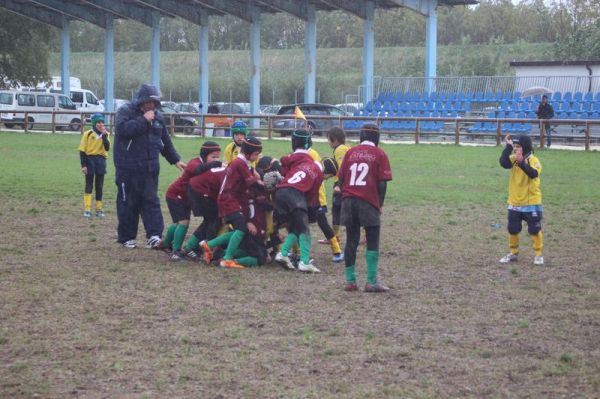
x: 92, y: 11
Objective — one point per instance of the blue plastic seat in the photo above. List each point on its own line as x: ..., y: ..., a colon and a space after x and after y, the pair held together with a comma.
x: 578, y: 96
x: 531, y: 115
x: 589, y: 96
x: 557, y: 96
x: 478, y: 97
x: 583, y: 115
x: 595, y: 115
x: 568, y: 96
x: 597, y: 96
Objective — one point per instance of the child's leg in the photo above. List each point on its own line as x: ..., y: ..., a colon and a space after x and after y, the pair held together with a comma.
x: 336, y: 209
x: 534, y: 227
x: 328, y: 232
x: 372, y: 253
x: 514, y: 228
x: 179, y: 234
x: 220, y: 241
x: 87, y: 196
x: 352, y: 238
x: 99, y: 189
x: 239, y: 224
x: 168, y: 239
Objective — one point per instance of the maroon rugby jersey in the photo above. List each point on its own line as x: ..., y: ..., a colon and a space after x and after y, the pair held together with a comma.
x: 364, y: 166
x: 178, y: 189
x: 303, y: 173
x: 234, y: 190
x: 208, y: 183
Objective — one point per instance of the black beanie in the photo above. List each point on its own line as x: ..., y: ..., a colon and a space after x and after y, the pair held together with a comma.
x: 301, y: 139
x: 369, y: 132
x: 251, y: 144
x: 207, y: 148
x: 525, y: 142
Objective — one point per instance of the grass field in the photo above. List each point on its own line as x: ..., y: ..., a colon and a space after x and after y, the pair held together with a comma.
x: 81, y: 316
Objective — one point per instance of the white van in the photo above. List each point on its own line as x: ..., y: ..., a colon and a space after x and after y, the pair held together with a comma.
x: 86, y: 101
x: 19, y: 102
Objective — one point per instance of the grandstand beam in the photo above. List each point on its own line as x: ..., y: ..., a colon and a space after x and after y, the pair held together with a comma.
x: 368, y: 50
x: 45, y: 16
x: 431, y: 46
x: 310, y: 55
x: 65, y: 55
x: 255, y: 62
x: 203, y: 64
x: 109, y: 64
x: 293, y: 7
x: 86, y: 14
x: 125, y: 10
x: 155, y: 50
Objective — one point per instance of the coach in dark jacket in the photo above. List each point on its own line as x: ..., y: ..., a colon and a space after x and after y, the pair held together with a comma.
x: 545, y: 111
x: 140, y: 136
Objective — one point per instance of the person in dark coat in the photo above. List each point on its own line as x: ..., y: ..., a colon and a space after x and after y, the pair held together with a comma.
x: 545, y: 111
x: 140, y: 137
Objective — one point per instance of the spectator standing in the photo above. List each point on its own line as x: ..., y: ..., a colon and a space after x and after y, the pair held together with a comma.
x: 545, y: 111
x: 140, y: 136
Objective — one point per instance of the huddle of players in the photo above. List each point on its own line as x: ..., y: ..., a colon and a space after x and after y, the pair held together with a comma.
x: 248, y: 199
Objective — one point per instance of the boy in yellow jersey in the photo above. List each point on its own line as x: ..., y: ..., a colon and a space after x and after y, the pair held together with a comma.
x: 321, y: 215
x: 524, y: 196
x: 93, y: 151
x: 336, y: 137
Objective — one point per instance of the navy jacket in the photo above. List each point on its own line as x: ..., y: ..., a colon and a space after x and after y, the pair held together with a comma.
x: 137, y: 142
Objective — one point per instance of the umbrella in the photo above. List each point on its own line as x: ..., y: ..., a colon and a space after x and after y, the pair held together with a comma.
x: 536, y: 90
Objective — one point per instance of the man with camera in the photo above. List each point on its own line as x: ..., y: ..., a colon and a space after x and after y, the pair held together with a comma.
x: 140, y: 136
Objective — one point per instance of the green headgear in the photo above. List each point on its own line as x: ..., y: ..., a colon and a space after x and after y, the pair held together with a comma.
x: 97, y: 118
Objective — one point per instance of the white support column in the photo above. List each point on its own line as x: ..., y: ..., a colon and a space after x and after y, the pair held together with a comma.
x: 368, y: 51
x: 431, y: 46
x: 155, y: 50
x: 203, y: 63
x: 109, y: 64
x: 65, y: 56
x: 255, y: 65
x: 310, y: 55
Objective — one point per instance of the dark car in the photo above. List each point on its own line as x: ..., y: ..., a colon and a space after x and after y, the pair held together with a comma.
x: 185, y: 124
x: 312, y: 112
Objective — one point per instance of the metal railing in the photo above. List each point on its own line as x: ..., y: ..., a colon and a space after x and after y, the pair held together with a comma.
x: 574, y: 132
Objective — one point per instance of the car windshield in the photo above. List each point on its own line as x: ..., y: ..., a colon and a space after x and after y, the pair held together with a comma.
x: 6, y: 98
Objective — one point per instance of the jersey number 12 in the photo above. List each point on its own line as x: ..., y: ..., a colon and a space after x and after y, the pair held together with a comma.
x: 358, y: 173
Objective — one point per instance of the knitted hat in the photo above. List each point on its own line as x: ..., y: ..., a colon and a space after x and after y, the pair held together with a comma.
x: 251, y: 144
x: 207, y: 148
x: 369, y: 132
x: 239, y: 127
x: 97, y: 118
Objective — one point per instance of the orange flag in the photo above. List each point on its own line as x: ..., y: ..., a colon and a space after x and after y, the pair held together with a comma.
x: 298, y: 113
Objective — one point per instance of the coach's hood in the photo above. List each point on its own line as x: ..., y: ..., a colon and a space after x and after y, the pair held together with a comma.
x: 525, y: 142
x: 145, y: 94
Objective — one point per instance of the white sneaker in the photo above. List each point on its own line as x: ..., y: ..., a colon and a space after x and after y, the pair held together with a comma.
x: 153, y: 242
x: 538, y: 260
x: 508, y: 258
x: 308, y: 267
x: 284, y: 261
x: 129, y: 244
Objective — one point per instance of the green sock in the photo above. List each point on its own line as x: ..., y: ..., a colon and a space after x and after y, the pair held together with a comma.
x: 372, y: 258
x: 234, y: 242
x: 288, y: 243
x: 248, y: 261
x: 304, y: 241
x: 351, y: 274
x: 179, y: 236
x: 220, y: 241
x: 168, y: 239
x: 192, y: 244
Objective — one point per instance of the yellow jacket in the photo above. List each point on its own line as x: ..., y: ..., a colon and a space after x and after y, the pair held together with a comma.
x: 322, y: 196
x: 523, y: 190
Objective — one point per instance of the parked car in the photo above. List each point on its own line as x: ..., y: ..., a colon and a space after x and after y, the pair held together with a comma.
x: 227, y: 108
x: 350, y: 108
x: 186, y: 108
x: 39, y: 107
x: 318, y: 126
x: 185, y: 124
x: 117, y: 102
x: 269, y: 109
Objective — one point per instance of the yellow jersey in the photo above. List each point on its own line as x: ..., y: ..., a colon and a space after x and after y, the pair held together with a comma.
x: 232, y: 150
x: 523, y: 190
x: 92, y: 144
x: 322, y: 196
x: 338, y: 154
